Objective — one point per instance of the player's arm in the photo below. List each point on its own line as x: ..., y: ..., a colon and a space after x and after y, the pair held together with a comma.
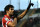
x: 13, y: 24
x: 21, y: 15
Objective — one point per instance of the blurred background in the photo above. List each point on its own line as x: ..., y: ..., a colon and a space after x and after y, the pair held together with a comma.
x: 31, y: 19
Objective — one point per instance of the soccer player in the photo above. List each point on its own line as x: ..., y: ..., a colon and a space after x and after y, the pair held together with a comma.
x: 7, y: 21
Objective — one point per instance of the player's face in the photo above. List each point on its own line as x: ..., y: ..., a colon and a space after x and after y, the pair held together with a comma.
x: 11, y: 10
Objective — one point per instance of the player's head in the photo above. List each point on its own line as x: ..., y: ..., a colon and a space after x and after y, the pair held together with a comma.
x: 9, y: 9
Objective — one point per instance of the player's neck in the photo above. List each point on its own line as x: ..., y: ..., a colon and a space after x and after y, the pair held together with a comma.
x: 8, y: 14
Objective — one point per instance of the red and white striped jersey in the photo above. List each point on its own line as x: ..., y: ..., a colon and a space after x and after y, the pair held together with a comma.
x: 5, y: 20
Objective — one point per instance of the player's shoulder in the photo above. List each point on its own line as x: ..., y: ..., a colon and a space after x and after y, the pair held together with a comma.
x: 5, y: 18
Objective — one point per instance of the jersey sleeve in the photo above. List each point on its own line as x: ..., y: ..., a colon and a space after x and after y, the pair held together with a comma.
x: 7, y: 21
x: 3, y: 21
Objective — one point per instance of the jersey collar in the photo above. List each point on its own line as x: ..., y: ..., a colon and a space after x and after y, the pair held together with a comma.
x: 6, y: 16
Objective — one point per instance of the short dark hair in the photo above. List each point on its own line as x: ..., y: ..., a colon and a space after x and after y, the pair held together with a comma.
x: 7, y: 8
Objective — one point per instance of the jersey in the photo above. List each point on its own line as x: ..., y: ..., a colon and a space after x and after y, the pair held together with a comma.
x: 5, y: 20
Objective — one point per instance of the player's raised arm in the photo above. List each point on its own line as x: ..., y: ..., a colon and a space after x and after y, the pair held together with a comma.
x: 23, y: 14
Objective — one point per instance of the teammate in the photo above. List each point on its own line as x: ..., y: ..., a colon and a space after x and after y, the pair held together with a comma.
x: 7, y: 21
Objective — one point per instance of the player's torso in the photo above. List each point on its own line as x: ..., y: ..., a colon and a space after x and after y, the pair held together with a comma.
x: 6, y: 19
